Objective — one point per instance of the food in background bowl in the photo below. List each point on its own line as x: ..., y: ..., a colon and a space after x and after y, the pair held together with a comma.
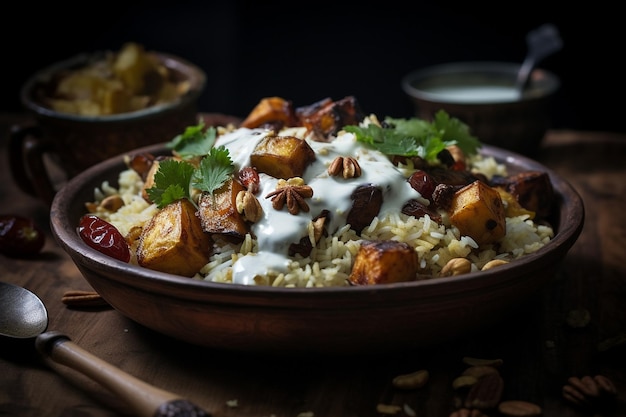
x: 143, y: 97
x: 321, y: 196
x: 127, y: 80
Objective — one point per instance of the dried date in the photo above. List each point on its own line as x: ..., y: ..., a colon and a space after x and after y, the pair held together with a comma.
x: 103, y: 237
x: 20, y: 236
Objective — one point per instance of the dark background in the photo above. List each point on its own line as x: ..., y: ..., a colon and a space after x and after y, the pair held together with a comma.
x: 306, y: 51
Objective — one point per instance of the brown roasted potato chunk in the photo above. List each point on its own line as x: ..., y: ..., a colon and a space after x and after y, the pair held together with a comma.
x: 532, y: 190
x: 477, y: 211
x: 218, y: 212
x: 512, y: 207
x: 282, y: 156
x: 384, y: 262
x: 173, y: 241
x: 326, y: 117
x: 271, y: 110
x: 149, y: 180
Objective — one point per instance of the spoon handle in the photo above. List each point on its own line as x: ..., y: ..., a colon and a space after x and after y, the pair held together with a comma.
x: 145, y: 399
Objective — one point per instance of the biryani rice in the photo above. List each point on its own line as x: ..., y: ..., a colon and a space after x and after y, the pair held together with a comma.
x: 330, y: 262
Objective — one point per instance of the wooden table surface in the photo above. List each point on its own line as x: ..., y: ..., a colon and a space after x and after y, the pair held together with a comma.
x: 539, y: 347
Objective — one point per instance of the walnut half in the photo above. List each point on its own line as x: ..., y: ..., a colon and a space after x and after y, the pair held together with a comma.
x: 347, y: 166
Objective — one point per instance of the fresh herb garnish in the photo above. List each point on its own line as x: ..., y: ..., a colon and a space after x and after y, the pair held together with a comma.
x: 194, y: 141
x: 171, y: 182
x: 214, y: 170
x: 416, y: 137
x: 174, y: 179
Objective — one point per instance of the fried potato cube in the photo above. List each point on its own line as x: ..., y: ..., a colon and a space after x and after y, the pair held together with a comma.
x: 512, y: 207
x: 384, y: 262
x: 173, y: 241
x: 149, y: 180
x: 271, y: 110
x: 533, y: 190
x: 326, y: 117
x: 478, y: 212
x: 282, y: 156
x: 218, y: 212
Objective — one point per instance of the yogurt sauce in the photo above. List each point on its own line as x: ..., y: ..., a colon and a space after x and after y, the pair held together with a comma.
x: 475, y: 93
x: 277, y: 230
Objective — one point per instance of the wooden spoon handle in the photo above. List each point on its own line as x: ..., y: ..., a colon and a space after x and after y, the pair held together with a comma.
x: 145, y: 399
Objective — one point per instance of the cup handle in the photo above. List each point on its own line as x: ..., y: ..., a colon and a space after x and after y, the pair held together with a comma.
x: 27, y: 148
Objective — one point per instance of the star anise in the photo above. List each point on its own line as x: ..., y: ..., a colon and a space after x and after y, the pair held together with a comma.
x: 291, y: 192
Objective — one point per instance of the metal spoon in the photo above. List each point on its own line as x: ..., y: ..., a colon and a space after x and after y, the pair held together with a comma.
x: 23, y: 315
x: 542, y: 42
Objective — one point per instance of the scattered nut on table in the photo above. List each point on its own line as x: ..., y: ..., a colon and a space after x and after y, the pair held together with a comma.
x: 411, y: 381
x: 588, y: 390
x: 471, y: 361
x: 485, y: 393
x: 518, y: 408
x: 467, y: 412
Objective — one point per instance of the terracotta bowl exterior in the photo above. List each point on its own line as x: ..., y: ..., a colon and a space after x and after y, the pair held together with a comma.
x: 365, y: 319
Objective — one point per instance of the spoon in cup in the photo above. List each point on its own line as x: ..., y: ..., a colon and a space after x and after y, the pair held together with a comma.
x: 542, y: 42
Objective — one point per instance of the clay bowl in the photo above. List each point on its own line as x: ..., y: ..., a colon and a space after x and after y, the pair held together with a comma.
x: 344, y: 320
x: 75, y: 142
x: 484, y: 96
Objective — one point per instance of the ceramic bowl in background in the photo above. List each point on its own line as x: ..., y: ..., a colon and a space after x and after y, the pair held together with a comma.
x: 483, y: 95
x: 336, y: 321
x: 75, y: 142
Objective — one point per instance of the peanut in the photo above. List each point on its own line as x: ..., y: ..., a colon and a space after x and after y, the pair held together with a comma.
x: 456, y: 266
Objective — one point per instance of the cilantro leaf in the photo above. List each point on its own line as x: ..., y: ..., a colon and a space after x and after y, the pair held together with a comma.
x: 387, y: 141
x: 194, y: 141
x: 417, y: 137
x: 215, y: 169
x: 454, y: 130
x: 171, y: 182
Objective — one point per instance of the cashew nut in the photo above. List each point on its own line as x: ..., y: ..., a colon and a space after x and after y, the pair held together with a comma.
x: 411, y: 381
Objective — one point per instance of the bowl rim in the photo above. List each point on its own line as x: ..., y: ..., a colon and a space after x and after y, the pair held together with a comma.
x: 566, y: 233
x: 544, y: 83
x: 194, y: 73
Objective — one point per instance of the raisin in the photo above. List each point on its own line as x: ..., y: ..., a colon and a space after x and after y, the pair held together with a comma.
x: 249, y: 178
x: 417, y: 209
x: 423, y: 183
